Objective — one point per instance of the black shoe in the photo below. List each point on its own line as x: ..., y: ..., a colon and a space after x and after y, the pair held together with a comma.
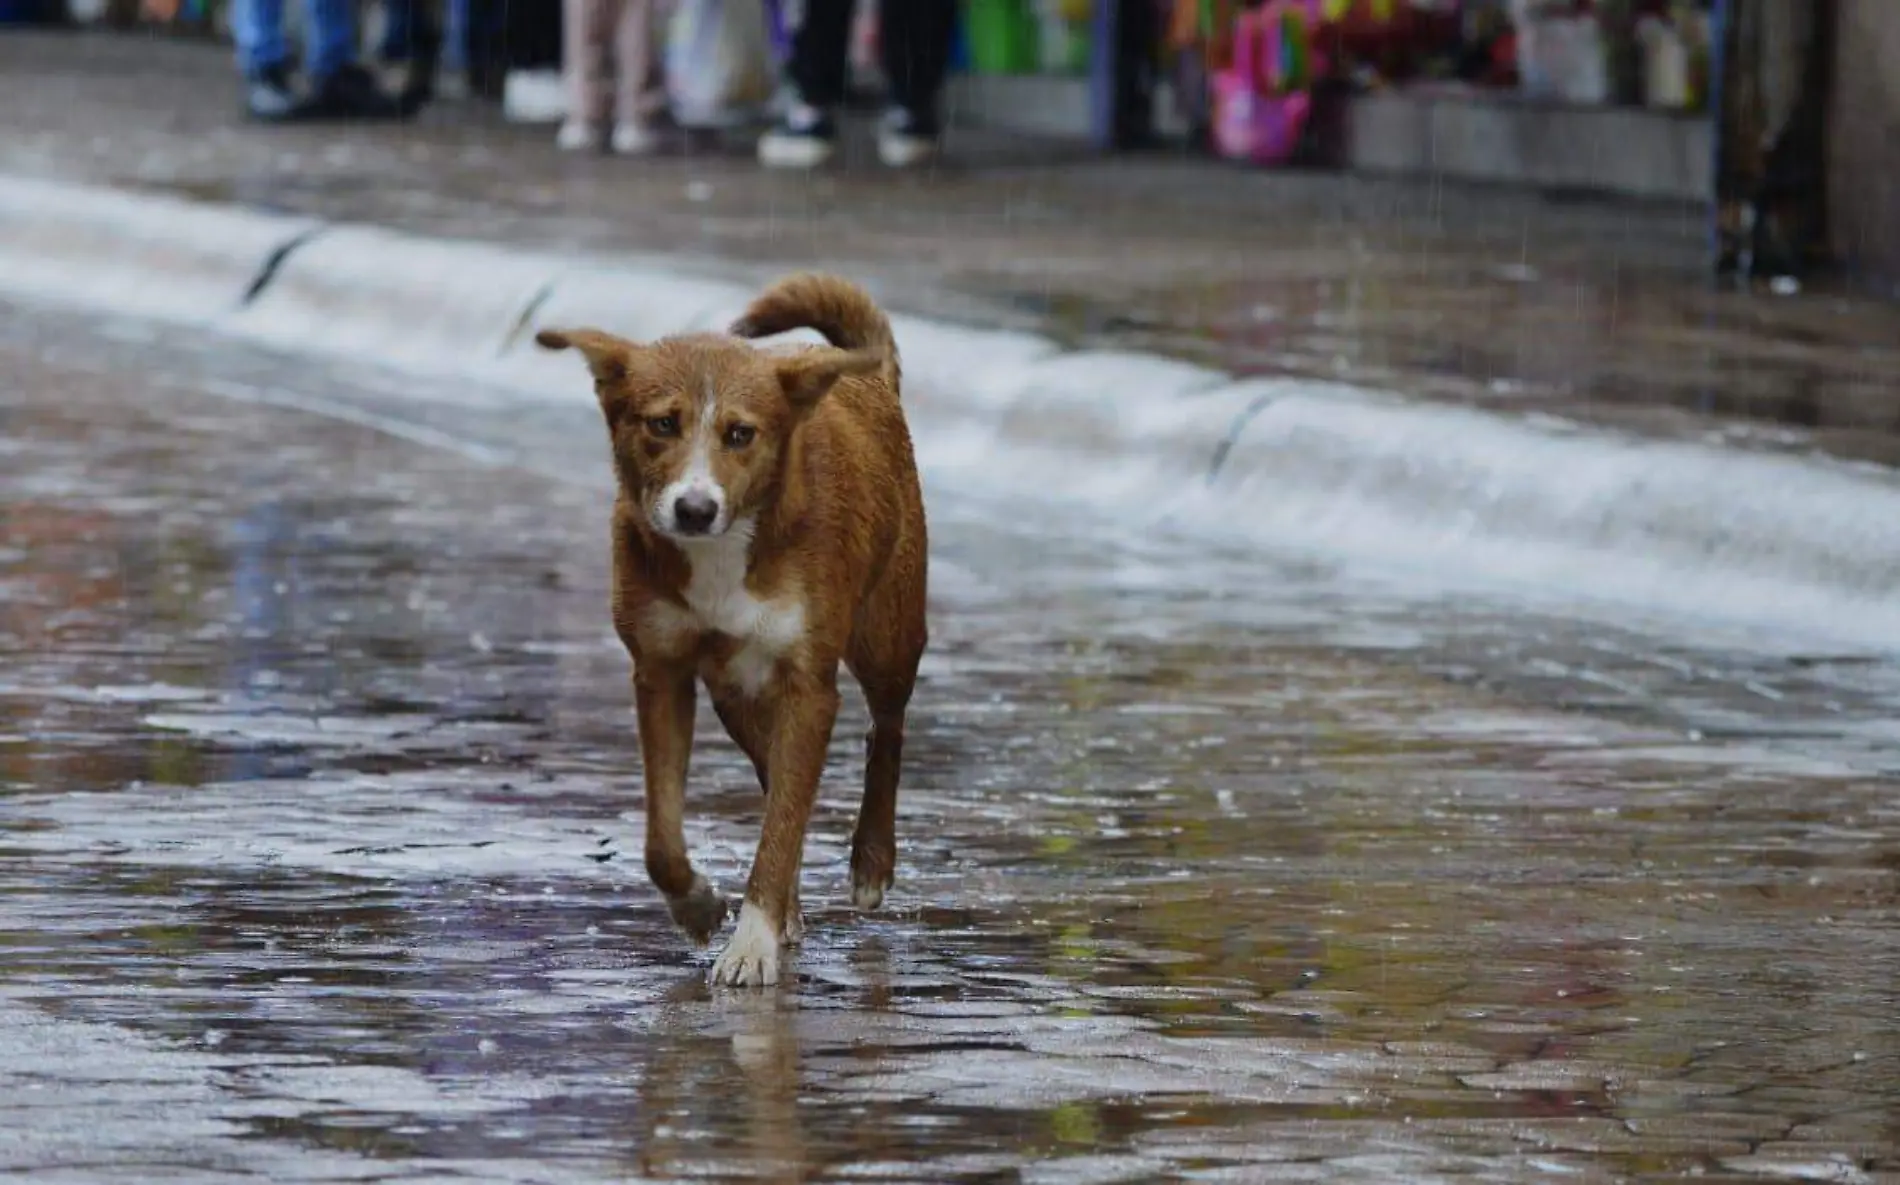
x: 268, y: 95
x: 351, y: 92
x: 804, y: 139
x: 420, y: 65
x: 418, y: 86
x: 419, y: 91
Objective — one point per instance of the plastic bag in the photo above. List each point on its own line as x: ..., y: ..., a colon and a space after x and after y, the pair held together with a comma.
x: 719, y: 65
x: 1261, y: 102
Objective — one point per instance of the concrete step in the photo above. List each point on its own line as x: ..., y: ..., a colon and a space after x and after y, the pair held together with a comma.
x: 1505, y: 139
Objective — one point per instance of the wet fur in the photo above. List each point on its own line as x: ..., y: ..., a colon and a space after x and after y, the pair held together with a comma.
x: 822, y: 563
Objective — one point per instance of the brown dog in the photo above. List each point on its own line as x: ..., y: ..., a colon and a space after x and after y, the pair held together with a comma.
x: 769, y: 526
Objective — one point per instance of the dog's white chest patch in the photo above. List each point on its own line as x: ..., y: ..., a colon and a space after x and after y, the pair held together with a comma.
x: 718, y: 601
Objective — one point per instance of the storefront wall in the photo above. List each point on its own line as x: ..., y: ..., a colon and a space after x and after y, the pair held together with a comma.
x: 1864, y: 142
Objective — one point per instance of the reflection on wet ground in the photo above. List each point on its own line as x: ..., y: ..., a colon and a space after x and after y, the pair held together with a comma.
x: 1593, y: 311
x: 318, y: 806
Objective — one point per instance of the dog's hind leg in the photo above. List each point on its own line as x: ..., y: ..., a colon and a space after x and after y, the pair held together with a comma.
x: 874, y: 842
x: 883, y: 655
x: 664, y: 697
x: 887, y: 689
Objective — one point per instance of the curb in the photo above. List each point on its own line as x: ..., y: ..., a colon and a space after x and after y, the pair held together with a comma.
x: 126, y: 253
x: 448, y: 308
x: 1449, y: 497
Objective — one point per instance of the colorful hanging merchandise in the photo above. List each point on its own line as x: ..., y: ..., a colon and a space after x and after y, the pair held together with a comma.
x: 1199, y: 39
x: 1263, y: 99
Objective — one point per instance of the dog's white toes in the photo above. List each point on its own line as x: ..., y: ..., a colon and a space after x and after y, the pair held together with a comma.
x: 751, y: 957
x: 868, y: 896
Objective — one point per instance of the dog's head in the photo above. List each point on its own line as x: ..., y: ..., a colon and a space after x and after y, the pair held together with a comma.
x: 701, y: 426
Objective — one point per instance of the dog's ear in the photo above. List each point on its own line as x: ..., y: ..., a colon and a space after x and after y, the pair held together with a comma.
x: 808, y: 374
x: 607, y: 356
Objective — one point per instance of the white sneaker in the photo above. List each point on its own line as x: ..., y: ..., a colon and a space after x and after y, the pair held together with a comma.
x: 804, y: 139
x: 634, y: 139
x: 534, y: 96
x: 577, y: 135
x: 393, y: 76
x: 904, y: 141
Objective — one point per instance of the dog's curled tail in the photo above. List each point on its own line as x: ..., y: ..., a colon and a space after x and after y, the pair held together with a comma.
x: 840, y: 310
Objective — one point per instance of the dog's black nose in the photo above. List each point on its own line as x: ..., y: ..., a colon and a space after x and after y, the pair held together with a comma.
x: 694, y: 513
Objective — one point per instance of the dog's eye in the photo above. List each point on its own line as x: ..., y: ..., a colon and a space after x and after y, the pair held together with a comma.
x: 740, y: 435
x: 664, y: 425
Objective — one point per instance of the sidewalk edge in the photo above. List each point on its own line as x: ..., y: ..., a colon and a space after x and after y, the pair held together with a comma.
x: 1460, y: 497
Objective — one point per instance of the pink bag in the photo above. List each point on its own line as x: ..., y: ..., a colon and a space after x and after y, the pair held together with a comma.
x: 1262, y: 102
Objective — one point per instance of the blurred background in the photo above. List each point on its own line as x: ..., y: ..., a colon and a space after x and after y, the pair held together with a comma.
x: 1772, y: 109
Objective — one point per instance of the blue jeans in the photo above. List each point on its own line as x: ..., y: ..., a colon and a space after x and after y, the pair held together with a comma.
x: 408, y: 22
x: 330, y: 35
x: 401, y: 19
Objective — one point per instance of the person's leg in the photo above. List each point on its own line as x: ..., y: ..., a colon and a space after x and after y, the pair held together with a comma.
x: 821, y: 53
x: 1137, y: 37
x: 819, y: 68
x: 257, y: 27
x: 455, y: 26
x: 586, y: 32
x: 412, y: 40
x: 638, y: 95
x: 339, y: 87
x: 399, y: 30
x: 425, y: 52
x: 914, y: 37
x: 331, y: 37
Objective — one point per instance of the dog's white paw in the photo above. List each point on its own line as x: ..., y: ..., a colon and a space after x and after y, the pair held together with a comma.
x: 751, y: 957
x: 867, y: 897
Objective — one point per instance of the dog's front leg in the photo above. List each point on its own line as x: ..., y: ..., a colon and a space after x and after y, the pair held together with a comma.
x: 664, y: 699
x: 806, y: 709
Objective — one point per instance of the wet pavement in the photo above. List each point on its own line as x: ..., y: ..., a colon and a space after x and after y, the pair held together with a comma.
x: 318, y: 806
x: 1597, y: 311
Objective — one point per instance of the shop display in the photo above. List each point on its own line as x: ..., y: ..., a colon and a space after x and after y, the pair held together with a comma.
x: 1263, y: 99
x: 1561, y: 53
x: 1062, y: 35
x: 720, y: 69
x: 1263, y: 61
x: 1029, y: 36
